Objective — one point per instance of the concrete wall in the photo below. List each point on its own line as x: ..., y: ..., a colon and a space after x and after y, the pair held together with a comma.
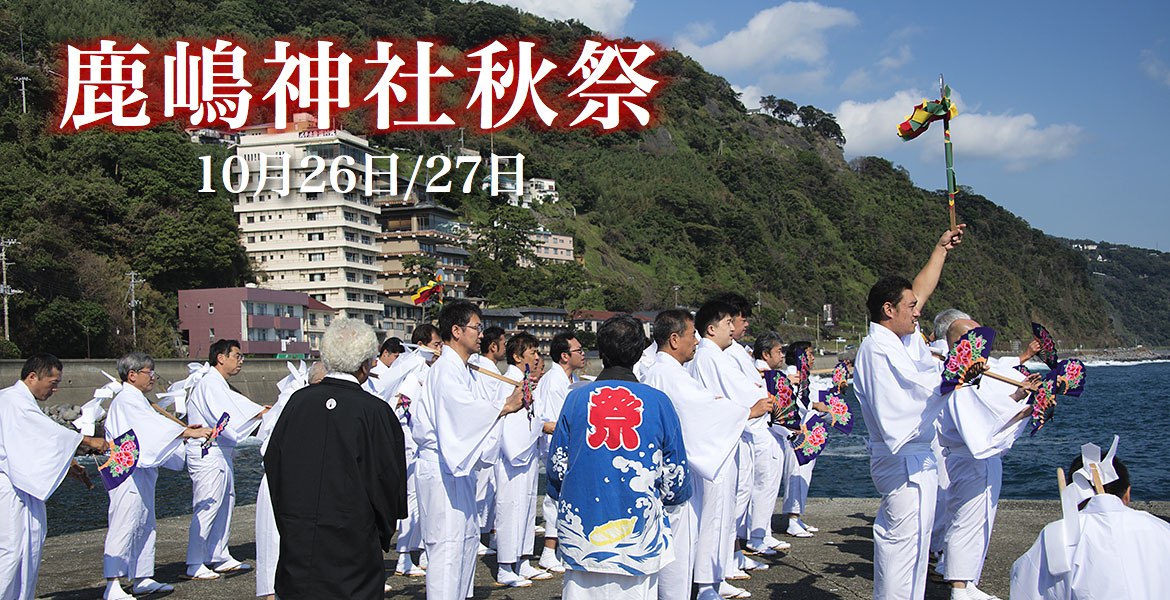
x: 80, y: 377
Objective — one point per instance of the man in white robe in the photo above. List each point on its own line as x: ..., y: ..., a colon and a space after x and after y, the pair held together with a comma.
x: 569, y: 356
x: 714, y: 369
x: 769, y: 354
x: 711, y: 426
x: 452, y: 427
x: 213, y: 492
x: 897, y: 384
x: 516, y: 473
x: 491, y: 352
x: 798, y: 477
x: 35, y: 455
x: 130, y: 539
x: 761, y: 456
x: 1105, y: 550
x: 400, y: 385
x: 978, y: 426
x: 267, y: 536
x: 938, y: 345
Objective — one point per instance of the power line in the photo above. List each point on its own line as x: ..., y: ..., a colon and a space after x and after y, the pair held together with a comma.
x: 5, y: 290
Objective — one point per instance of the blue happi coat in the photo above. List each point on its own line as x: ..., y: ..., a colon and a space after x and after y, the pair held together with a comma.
x: 616, y: 458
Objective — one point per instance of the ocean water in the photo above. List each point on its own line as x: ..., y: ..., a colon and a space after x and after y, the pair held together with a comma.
x: 1131, y: 400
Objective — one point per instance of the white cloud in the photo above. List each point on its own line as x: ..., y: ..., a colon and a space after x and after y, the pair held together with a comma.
x: 750, y: 95
x: 793, y: 31
x: 857, y: 81
x: 889, y: 63
x: 1017, y: 140
x: 1155, y: 68
x: 606, y: 16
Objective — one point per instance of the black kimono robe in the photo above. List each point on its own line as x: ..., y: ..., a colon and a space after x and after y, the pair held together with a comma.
x: 337, y: 474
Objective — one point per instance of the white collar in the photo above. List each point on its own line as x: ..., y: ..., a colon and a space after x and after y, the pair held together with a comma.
x: 342, y: 376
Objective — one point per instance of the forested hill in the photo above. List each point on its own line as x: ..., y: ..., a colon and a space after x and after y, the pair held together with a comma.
x: 710, y: 199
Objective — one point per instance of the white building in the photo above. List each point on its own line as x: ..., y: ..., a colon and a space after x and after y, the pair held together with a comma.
x: 321, y: 243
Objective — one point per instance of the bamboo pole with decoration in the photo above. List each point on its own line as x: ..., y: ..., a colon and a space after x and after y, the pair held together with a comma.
x: 917, y: 122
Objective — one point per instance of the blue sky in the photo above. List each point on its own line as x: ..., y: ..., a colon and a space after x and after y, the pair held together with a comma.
x: 1063, y: 106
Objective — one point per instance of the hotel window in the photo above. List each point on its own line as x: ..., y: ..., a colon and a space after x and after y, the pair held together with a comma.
x: 316, y: 277
x: 316, y: 256
x: 315, y: 237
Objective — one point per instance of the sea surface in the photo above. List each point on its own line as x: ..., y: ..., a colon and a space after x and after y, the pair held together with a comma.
x: 1131, y: 400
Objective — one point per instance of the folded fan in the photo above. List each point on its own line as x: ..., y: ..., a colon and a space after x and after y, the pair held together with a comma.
x: 785, y: 413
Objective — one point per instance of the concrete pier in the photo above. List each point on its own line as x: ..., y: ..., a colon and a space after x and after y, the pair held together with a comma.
x: 835, y: 564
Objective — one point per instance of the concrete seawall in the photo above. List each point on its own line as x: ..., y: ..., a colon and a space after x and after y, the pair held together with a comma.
x: 80, y: 377
x: 835, y: 564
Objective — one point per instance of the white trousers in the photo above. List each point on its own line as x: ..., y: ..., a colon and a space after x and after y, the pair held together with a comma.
x: 674, y: 580
x: 485, y: 498
x: 213, y: 496
x: 267, y: 541
x: 797, y: 479
x: 549, y: 510
x: 583, y: 585
x: 447, y: 513
x: 938, y: 534
x: 766, y: 477
x: 514, y: 510
x: 901, y: 529
x: 716, y: 524
x: 130, y: 537
x: 973, y: 497
x: 22, y: 535
x: 746, y: 465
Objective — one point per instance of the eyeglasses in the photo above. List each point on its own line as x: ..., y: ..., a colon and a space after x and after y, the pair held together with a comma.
x: 478, y: 327
x: 238, y: 355
x: 581, y: 350
x: 151, y: 374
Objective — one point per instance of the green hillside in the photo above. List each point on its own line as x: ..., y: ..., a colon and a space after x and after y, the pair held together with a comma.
x: 710, y: 199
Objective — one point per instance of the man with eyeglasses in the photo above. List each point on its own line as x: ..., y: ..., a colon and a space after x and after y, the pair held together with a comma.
x: 569, y: 355
x: 212, y: 475
x: 452, y: 427
x: 129, y: 550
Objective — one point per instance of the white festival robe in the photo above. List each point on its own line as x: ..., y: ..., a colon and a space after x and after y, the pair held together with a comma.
x: 130, y: 539
x: 213, y: 493
x: 975, y: 430
x: 516, y: 476
x: 897, y: 384
x: 711, y: 426
x: 549, y: 396
x: 938, y: 533
x: 35, y: 454
x: 404, y: 378
x: 452, y: 427
x: 757, y: 488
x: 716, y: 371
x: 267, y: 536
x: 1120, y: 554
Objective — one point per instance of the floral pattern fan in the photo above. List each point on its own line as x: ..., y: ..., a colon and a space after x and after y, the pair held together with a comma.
x: 1067, y: 379
x: 785, y: 413
x: 122, y: 462
x: 1047, y: 346
x: 971, y: 349
x: 840, y: 417
x: 810, y: 440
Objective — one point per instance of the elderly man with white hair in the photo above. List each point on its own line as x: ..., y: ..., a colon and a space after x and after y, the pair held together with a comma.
x: 336, y: 471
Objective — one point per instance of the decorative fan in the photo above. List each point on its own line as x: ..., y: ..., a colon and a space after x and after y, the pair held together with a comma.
x: 219, y: 426
x: 785, y: 413
x: 122, y: 462
x: 973, y: 348
x: 840, y: 417
x: 1047, y: 346
x: 810, y: 440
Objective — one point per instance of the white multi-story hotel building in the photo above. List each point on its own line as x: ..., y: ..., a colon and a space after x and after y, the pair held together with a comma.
x: 322, y: 243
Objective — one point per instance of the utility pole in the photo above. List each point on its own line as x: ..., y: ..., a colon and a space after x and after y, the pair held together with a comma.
x: 23, y: 101
x: 134, y: 302
x: 4, y: 289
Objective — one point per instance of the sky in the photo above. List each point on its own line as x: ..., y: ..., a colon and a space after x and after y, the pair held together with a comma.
x: 1063, y: 114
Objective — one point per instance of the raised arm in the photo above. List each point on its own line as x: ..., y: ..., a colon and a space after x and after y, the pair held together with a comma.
x: 927, y: 278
